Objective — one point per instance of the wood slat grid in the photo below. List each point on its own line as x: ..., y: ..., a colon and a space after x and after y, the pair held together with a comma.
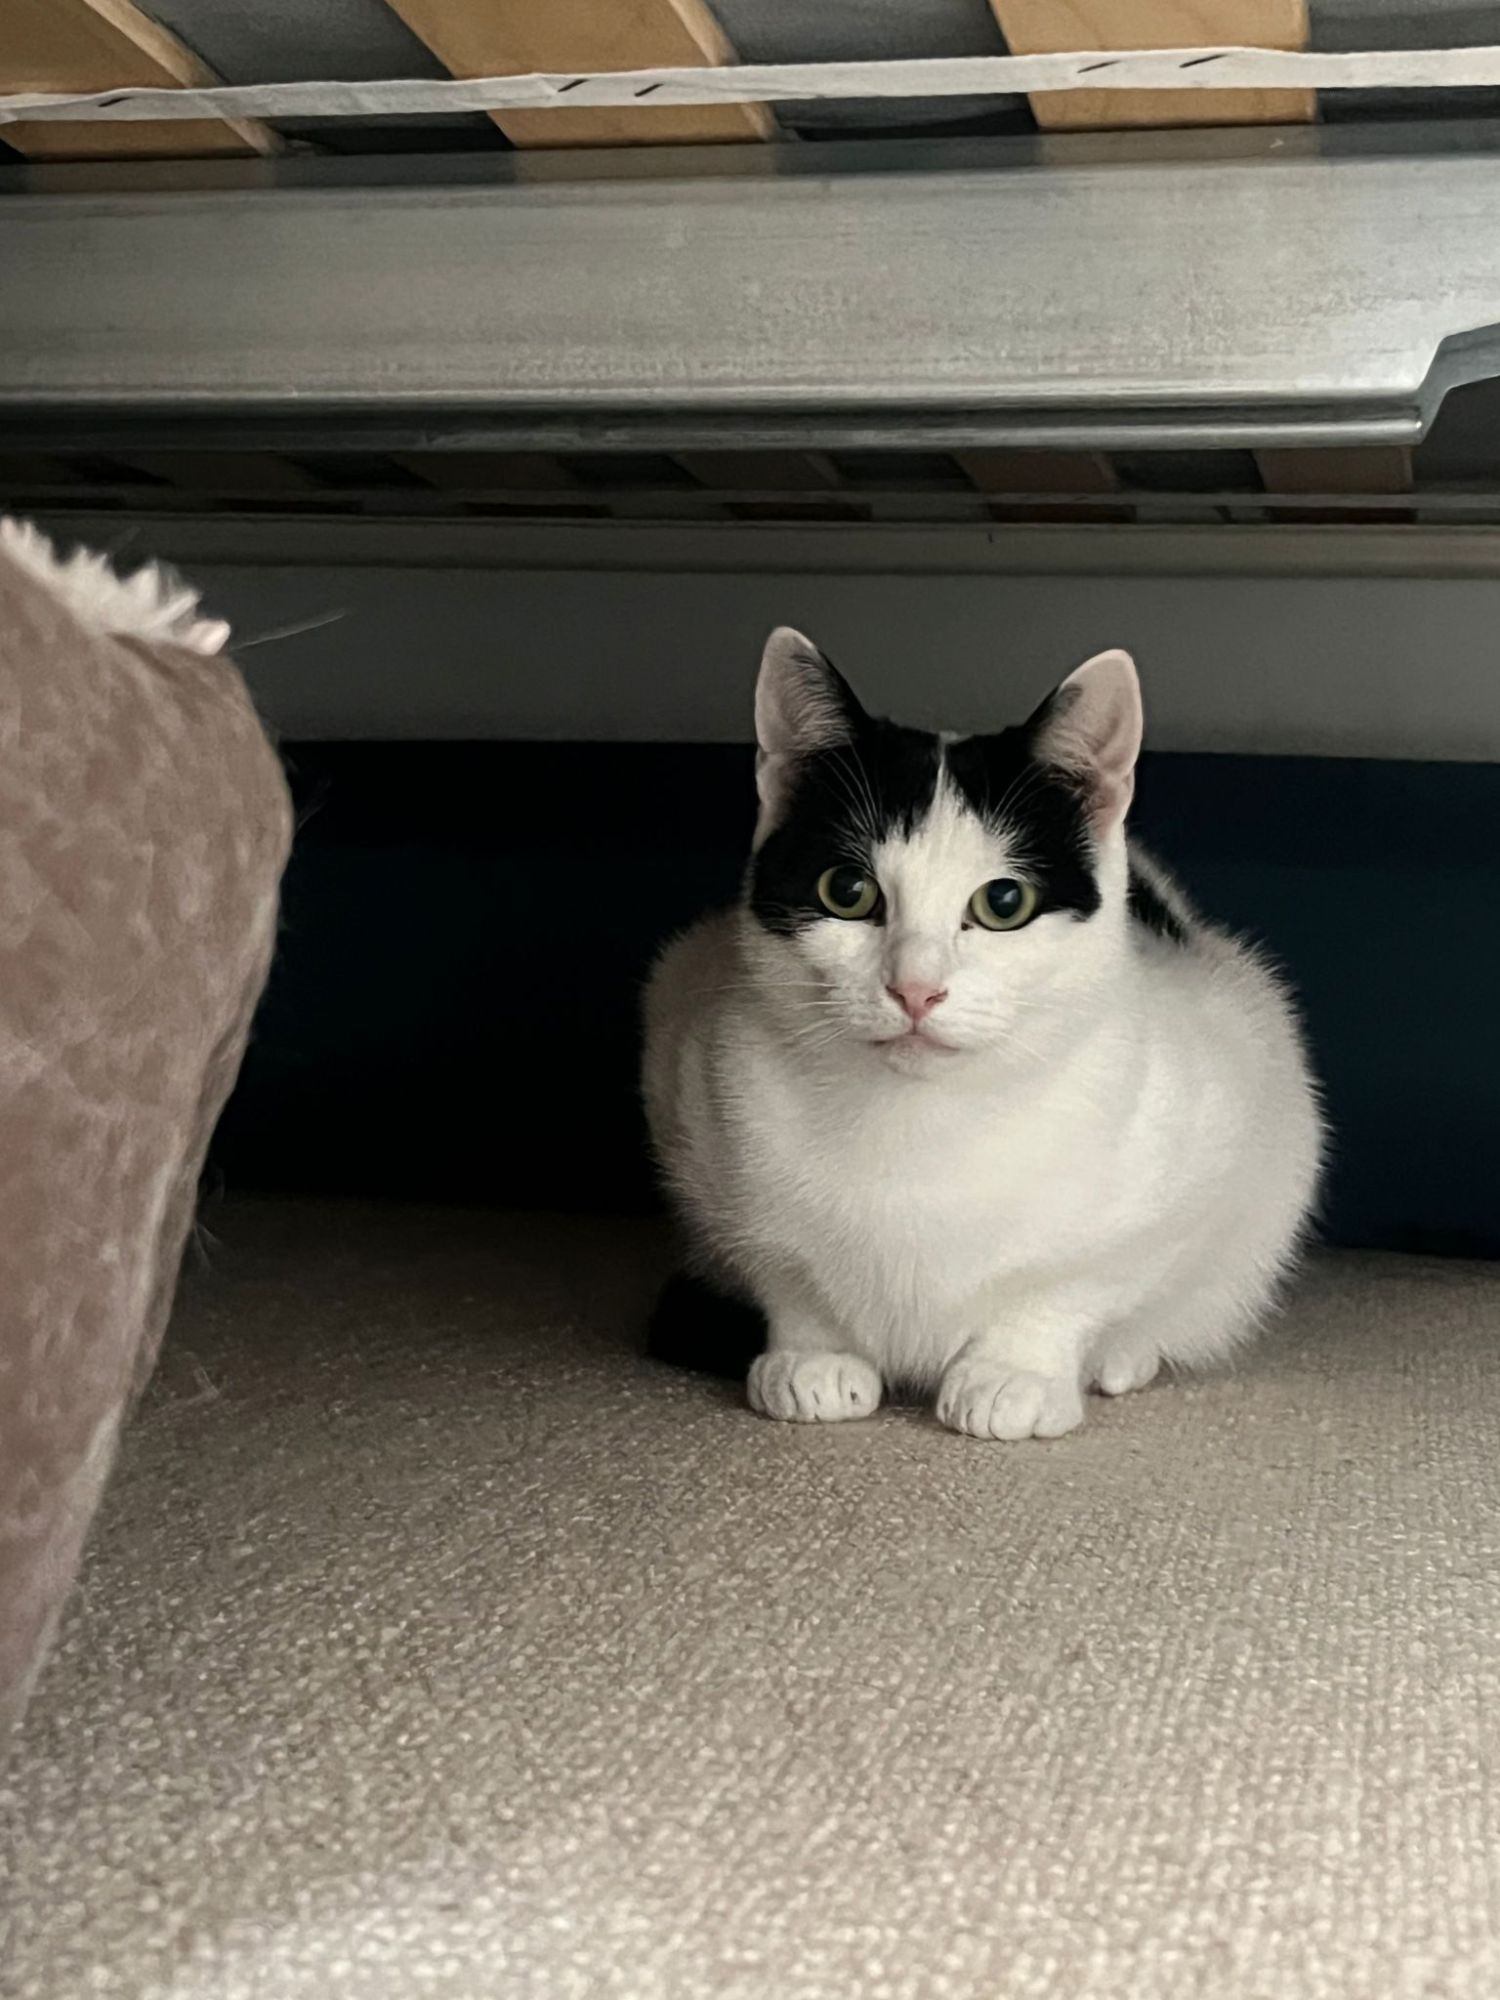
x: 90, y: 45
x: 95, y: 45
x: 1373, y: 484
x: 1045, y: 27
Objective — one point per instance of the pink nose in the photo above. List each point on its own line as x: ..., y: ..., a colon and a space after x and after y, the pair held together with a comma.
x: 918, y: 997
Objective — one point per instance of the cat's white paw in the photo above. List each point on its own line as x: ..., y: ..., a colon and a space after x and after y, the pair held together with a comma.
x: 986, y: 1399
x: 813, y: 1388
x: 1128, y: 1368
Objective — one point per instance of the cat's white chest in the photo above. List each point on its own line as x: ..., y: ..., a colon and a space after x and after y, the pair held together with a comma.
x: 906, y: 1205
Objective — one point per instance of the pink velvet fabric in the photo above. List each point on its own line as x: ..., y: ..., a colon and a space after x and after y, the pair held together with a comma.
x: 144, y: 824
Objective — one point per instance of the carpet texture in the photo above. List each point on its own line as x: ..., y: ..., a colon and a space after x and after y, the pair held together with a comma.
x: 432, y: 1644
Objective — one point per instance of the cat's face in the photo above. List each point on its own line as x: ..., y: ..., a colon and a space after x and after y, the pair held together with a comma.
x: 926, y: 897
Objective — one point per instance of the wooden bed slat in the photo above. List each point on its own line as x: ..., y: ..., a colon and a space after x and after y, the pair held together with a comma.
x: 739, y: 470
x: 1359, y: 469
x: 1039, y: 471
x: 516, y: 37
x: 1043, y: 27
x: 246, y: 474
x: 80, y: 45
x: 488, y: 471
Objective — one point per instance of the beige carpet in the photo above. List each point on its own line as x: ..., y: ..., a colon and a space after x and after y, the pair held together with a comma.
x: 433, y: 1645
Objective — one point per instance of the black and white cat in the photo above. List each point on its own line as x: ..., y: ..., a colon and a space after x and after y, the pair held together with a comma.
x: 963, y: 1096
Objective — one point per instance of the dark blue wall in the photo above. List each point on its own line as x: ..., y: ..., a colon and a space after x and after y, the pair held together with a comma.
x: 466, y: 927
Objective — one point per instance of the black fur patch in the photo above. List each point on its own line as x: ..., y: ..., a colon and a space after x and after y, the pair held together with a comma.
x: 882, y: 781
x: 694, y: 1326
x: 1149, y: 907
x: 1039, y: 810
x: 846, y: 799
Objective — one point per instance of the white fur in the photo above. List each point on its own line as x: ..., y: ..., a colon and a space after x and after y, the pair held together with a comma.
x: 151, y: 604
x: 1108, y: 1168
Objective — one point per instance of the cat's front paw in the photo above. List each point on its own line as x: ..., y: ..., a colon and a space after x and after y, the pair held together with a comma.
x: 813, y: 1388
x: 986, y: 1399
x: 1126, y: 1369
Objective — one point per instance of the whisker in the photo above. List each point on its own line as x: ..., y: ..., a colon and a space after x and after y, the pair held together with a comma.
x: 291, y: 631
x: 1018, y: 790
x: 857, y: 798
x: 862, y: 772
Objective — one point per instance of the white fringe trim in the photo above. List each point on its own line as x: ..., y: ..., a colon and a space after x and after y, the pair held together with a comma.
x: 153, y: 603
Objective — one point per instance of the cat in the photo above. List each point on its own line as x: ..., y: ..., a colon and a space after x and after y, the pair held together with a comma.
x: 964, y: 1098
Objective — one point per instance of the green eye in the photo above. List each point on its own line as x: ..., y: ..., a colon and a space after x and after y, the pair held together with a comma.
x: 1004, y: 905
x: 848, y: 892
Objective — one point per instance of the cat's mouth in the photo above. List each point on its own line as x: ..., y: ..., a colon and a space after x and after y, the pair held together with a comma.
x: 910, y: 1040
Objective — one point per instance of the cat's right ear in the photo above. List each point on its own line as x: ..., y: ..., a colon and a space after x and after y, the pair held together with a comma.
x: 802, y: 704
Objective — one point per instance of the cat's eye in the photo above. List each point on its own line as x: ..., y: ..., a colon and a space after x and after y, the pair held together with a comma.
x: 848, y: 892
x: 1003, y: 905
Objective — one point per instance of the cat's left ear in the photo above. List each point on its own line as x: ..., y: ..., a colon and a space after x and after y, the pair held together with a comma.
x: 1090, y: 727
x: 802, y: 704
